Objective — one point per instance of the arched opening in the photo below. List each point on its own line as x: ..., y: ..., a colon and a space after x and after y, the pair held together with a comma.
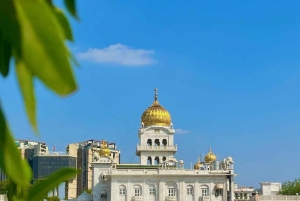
x: 164, y: 142
x: 171, y: 189
x: 164, y: 158
x: 103, y: 194
x: 149, y: 142
x: 156, y: 160
x: 149, y: 160
x: 156, y: 142
x: 152, y: 190
x: 137, y: 190
x: 204, y: 190
x: 122, y: 190
x: 190, y: 190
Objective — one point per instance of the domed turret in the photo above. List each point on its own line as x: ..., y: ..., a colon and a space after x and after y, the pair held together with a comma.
x: 198, y: 165
x: 210, y: 157
x: 156, y: 115
x: 104, y: 150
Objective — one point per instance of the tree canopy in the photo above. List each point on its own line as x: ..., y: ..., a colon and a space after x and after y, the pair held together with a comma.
x: 290, y: 187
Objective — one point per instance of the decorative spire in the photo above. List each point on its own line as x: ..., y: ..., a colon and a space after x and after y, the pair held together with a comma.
x: 155, y: 94
x: 210, y: 150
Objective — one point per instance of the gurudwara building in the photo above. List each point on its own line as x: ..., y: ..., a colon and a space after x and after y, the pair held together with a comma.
x: 160, y: 176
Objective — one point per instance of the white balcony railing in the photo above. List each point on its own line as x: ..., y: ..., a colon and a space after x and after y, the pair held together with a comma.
x: 158, y: 148
x: 136, y: 198
x: 171, y: 198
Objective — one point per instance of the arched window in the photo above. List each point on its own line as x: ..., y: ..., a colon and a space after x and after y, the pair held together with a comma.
x: 122, y: 190
x: 149, y: 142
x: 103, y: 194
x: 152, y: 190
x: 156, y: 142
x: 137, y: 190
x: 190, y: 190
x: 156, y: 160
x: 149, y: 160
x: 164, y: 158
x: 204, y: 190
x: 171, y: 189
x: 164, y: 142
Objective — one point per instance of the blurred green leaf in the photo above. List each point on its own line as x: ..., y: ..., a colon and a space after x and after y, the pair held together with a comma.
x: 9, y: 26
x: 25, y: 79
x: 71, y: 6
x: 64, y: 24
x: 40, y: 189
x: 43, y: 49
x: 5, y: 53
x: 11, y: 162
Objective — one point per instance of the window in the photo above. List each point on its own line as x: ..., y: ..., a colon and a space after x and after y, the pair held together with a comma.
x: 171, y: 191
x: 137, y: 192
x: 219, y: 192
x: 122, y: 191
x: 152, y: 190
x: 204, y: 191
x: 189, y: 190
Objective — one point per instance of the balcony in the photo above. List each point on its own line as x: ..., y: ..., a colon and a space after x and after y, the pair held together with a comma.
x: 137, y: 198
x: 171, y: 198
x: 155, y: 148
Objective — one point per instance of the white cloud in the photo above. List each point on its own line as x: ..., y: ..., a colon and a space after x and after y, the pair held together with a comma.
x: 181, y: 131
x: 119, y: 54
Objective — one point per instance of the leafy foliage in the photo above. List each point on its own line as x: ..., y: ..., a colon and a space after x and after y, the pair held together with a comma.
x: 290, y: 187
x: 54, y: 198
x: 33, y: 34
x: 4, y: 186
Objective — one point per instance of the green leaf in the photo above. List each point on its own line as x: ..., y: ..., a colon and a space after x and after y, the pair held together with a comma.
x: 25, y: 79
x: 71, y: 6
x: 9, y: 26
x: 5, y: 53
x: 43, y: 49
x: 40, y: 189
x: 11, y: 162
x: 64, y: 24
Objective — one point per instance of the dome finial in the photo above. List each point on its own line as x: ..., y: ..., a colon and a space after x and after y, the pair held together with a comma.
x: 155, y: 94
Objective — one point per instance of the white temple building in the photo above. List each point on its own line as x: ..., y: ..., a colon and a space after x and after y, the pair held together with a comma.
x: 160, y: 176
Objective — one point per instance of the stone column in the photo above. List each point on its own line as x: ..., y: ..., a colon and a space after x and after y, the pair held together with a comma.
x: 161, y: 190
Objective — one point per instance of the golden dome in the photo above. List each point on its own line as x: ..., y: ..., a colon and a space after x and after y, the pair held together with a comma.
x: 104, y: 150
x: 156, y: 114
x: 210, y: 157
x: 198, y: 165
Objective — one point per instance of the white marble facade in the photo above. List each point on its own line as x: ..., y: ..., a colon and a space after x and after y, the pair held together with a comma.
x: 160, y: 176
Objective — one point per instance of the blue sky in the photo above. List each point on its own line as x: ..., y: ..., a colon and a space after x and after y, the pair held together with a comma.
x: 227, y: 71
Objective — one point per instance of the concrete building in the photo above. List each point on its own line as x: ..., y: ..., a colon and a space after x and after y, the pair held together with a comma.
x: 46, y: 164
x: 84, y: 151
x: 3, y: 197
x: 28, y: 149
x: 160, y: 176
x: 243, y: 192
x: 270, y: 188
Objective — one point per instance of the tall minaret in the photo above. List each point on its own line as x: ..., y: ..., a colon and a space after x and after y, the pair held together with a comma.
x: 156, y: 135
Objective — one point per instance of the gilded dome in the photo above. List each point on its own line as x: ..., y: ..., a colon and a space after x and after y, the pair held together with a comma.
x: 210, y: 157
x: 104, y: 150
x: 156, y: 114
x: 198, y: 165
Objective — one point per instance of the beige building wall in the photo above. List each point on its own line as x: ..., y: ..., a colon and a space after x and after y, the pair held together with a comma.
x: 83, y: 181
x: 71, y: 185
